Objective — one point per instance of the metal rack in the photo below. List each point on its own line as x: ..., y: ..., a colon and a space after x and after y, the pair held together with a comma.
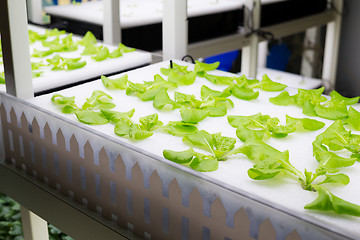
x: 51, y: 205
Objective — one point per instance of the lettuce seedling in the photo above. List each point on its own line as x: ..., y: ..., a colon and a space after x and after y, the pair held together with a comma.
x: 87, y: 113
x: 180, y: 129
x: 147, y: 91
x: 192, y: 110
x: 2, y: 78
x: 34, y: 36
x: 193, y: 115
x: 220, y: 80
x: 243, y: 88
x: 315, y: 104
x: 179, y: 74
x: 117, y: 83
x: 218, y: 146
x: 125, y: 127
x: 88, y: 39
x: 54, y: 32
x: 36, y: 74
x: 353, y: 118
x: 64, y: 45
x: 40, y: 54
x: 270, y: 162
x: 163, y: 102
x: 202, y: 68
x: 326, y: 201
x: 102, y: 54
x: 336, y: 138
x: 125, y: 49
x: 60, y: 63
x: 259, y: 126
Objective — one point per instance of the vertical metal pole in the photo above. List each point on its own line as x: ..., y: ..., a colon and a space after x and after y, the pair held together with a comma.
x: 308, y: 63
x: 331, y: 51
x: 262, y: 54
x: 250, y: 53
x: 15, y: 47
x: 111, y: 26
x: 175, y: 29
x: 16, y: 56
x: 35, y: 11
x: 34, y: 227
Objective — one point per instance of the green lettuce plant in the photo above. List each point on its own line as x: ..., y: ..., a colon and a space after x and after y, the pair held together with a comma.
x: 219, y: 147
x: 2, y: 78
x: 261, y: 126
x: 60, y: 63
x: 90, y: 112
x: 244, y: 88
x: 314, y: 103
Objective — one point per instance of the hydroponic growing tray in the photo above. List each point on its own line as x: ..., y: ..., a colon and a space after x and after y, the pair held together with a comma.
x: 141, y: 20
x: 131, y: 183
x: 93, y: 69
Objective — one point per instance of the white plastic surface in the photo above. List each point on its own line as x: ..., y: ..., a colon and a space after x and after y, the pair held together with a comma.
x: 281, y: 190
x: 52, y: 79
x: 290, y: 79
x: 135, y: 13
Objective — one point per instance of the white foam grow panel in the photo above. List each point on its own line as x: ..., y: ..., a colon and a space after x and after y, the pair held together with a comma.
x: 131, y: 183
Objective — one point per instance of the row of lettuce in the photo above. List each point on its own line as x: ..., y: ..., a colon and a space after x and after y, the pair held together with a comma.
x: 252, y: 131
x: 55, y: 42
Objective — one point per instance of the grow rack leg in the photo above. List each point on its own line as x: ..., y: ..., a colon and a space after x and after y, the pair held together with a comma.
x: 250, y: 53
x: 34, y: 227
x: 331, y: 50
x: 16, y: 55
x: 111, y: 27
x: 15, y: 47
x: 175, y: 29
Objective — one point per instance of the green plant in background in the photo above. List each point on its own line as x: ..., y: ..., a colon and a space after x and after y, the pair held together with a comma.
x: 2, y: 78
x: 59, y: 63
x: 10, y: 222
x: 99, y: 52
x: 65, y: 44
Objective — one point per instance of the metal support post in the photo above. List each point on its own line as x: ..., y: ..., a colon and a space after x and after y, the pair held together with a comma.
x: 175, y: 29
x: 15, y: 47
x: 331, y: 51
x: 250, y: 53
x: 309, y: 63
x: 34, y: 12
x: 111, y: 26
